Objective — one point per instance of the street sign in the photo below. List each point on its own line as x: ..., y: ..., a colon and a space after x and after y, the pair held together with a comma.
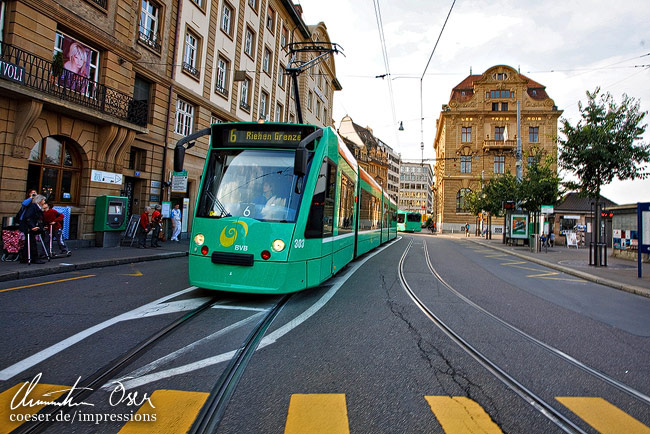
x: 179, y: 182
x: 547, y: 209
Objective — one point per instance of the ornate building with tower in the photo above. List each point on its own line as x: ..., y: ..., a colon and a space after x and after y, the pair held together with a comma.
x: 476, y: 137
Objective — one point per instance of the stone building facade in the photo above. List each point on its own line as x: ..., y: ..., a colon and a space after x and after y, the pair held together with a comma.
x: 476, y: 137
x: 143, y: 79
x: 415, y: 188
x: 367, y: 149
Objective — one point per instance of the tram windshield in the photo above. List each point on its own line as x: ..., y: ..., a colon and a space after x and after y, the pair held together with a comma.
x: 253, y: 183
x: 413, y: 217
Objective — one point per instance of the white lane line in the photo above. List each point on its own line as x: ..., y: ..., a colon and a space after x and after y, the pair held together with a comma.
x: 176, y: 354
x: 228, y: 307
x: 33, y: 360
x: 268, y: 340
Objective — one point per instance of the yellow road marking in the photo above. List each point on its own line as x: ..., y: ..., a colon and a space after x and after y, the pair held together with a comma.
x: 47, y: 283
x: 603, y: 416
x: 514, y: 263
x: 460, y: 415
x: 324, y: 413
x: 136, y: 274
x: 174, y: 412
x: 36, y: 393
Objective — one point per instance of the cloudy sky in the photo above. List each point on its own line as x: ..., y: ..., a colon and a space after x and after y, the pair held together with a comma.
x: 568, y: 46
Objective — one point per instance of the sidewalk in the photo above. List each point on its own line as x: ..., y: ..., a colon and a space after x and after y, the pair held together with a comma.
x: 92, y: 257
x: 619, y: 273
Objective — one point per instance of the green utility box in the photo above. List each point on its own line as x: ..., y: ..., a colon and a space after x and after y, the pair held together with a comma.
x: 110, y: 213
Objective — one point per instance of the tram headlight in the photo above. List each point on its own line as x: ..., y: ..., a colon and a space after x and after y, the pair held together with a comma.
x: 278, y: 245
x: 199, y: 239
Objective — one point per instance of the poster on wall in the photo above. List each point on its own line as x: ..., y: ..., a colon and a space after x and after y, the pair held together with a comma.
x: 519, y: 226
x: 184, y: 216
x: 76, y: 57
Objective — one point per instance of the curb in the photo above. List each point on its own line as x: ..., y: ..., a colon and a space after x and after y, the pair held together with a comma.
x: 581, y: 274
x: 64, y: 268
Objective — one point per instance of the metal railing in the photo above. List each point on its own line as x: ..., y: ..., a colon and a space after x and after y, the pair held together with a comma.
x: 38, y: 74
x: 221, y: 89
x: 150, y: 41
x: 190, y: 69
x: 499, y: 144
x: 244, y: 105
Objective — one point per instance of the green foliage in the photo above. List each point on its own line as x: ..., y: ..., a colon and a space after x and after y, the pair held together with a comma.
x: 498, y: 190
x: 57, y: 64
x: 604, y: 144
x: 539, y: 186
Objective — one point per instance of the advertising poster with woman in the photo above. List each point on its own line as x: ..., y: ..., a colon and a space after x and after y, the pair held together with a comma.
x: 76, y: 58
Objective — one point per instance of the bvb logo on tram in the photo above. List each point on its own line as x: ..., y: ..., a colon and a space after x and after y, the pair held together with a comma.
x: 229, y: 234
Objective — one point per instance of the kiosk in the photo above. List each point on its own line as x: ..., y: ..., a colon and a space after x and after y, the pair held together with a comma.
x: 110, y: 220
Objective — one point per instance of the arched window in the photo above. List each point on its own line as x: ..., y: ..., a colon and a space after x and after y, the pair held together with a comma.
x: 461, y: 205
x: 55, y: 170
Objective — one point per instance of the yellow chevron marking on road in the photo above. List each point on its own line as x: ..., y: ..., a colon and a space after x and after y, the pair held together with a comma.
x: 39, y: 392
x: 174, y: 412
x: 514, y: 263
x: 603, y: 416
x: 137, y: 273
x: 324, y: 413
x: 461, y: 415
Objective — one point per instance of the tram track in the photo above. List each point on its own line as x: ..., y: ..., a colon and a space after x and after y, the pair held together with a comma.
x: 87, y: 386
x: 536, y: 401
x: 640, y: 396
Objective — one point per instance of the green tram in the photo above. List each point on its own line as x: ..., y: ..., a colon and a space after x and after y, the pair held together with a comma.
x: 281, y: 208
x: 409, y: 221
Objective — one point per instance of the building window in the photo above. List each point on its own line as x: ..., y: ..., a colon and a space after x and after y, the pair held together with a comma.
x: 504, y: 106
x: 253, y: 5
x: 278, y: 112
x: 499, y: 94
x: 214, y: 119
x: 270, y: 20
x: 498, y: 133
x: 325, y: 120
x: 461, y: 196
x: 466, y: 134
x: 499, y: 164
x: 284, y: 37
x: 149, y: 23
x: 317, y: 109
x: 249, y: 42
x: 281, y: 71
x: 139, y: 109
x: 137, y: 159
x: 244, y: 99
x: 227, y: 13
x: 190, y: 56
x: 199, y: 3
x: 266, y: 60
x: 495, y: 106
x: 264, y: 106
x: 466, y: 164
x: 501, y: 76
x: 310, y: 100
x: 55, y: 170
x: 533, y: 134
x: 221, y: 85
x: 184, y: 118
x: 532, y: 161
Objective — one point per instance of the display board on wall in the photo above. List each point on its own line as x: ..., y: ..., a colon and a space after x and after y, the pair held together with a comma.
x: 519, y: 226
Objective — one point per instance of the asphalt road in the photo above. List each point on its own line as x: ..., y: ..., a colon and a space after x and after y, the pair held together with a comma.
x: 355, y: 354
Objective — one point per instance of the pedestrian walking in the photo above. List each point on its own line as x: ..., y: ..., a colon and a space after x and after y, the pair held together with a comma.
x: 551, y: 239
x: 144, y: 228
x: 466, y: 229
x: 176, y: 222
x: 156, y: 226
x: 54, y: 220
x: 31, y: 225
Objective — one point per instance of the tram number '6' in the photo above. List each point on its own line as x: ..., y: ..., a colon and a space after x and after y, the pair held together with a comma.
x: 299, y: 244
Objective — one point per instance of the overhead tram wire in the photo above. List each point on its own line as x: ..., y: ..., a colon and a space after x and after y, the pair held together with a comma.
x: 422, y: 79
x: 382, y: 40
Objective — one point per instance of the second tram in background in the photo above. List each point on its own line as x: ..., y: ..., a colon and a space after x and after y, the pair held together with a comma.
x: 281, y: 208
x: 409, y: 221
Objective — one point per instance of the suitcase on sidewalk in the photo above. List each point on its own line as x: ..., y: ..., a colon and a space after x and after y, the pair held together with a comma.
x: 13, y: 241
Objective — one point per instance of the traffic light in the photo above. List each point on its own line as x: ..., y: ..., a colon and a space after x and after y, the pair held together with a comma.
x: 607, y: 214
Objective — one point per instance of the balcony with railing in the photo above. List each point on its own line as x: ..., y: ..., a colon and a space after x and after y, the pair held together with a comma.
x: 499, y: 145
x: 244, y: 105
x: 38, y: 74
x: 150, y: 40
x: 223, y: 90
x: 190, y: 69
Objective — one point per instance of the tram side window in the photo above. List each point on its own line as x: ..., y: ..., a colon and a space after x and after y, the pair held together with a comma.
x: 365, y: 220
x: 346, y: 204
x: 321, y: 213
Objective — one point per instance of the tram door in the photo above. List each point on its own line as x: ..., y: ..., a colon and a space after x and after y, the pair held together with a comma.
x: 320, y: 224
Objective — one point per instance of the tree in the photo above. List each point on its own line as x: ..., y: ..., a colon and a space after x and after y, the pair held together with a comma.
x: 604, y: 144
x: 540, y: 186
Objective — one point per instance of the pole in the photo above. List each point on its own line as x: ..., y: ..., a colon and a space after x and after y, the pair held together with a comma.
x: 639, y: 226
x: 518, y: 162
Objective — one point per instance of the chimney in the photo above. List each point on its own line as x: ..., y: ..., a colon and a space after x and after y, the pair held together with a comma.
x: 298, y: 9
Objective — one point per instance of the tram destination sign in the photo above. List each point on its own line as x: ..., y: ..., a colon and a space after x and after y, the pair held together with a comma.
x: 258, y: 137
